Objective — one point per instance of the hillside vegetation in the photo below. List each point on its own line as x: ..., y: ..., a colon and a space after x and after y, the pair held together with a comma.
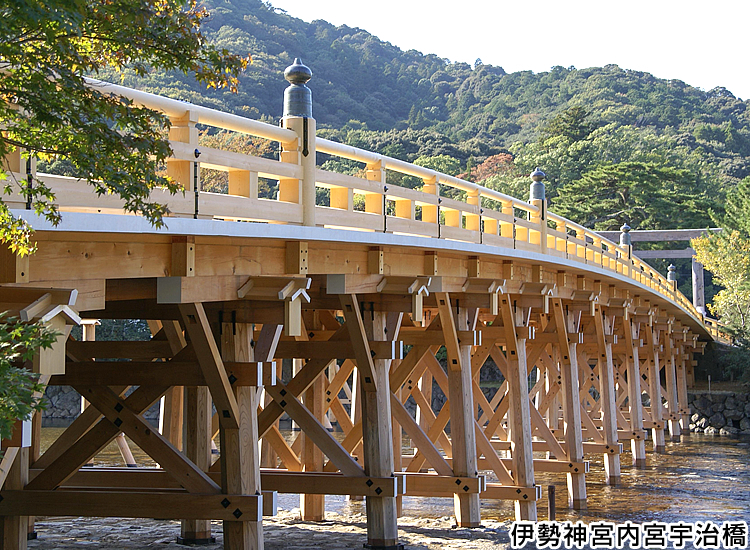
x: 604, y: 126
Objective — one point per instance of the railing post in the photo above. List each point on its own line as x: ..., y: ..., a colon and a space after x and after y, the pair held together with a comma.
x: 672, y: 278
x: 375, y: 202
x: 506, y: 228
x: 537, y: 198
x: 431, y: 213
x: 561, y: 243
x: 186, y: 172
x: 474, y: 221
x: 627, y: 246
x: 19, y: 169
x: 298, y: 118
x: 598, y: 251
x: 582, y: 250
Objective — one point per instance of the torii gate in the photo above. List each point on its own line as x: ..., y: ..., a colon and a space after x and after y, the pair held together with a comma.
x: 664, y: 235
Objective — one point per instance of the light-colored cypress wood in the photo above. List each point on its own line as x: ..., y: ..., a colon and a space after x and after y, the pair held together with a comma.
x: 654, y: 382
x: 570, y: 404
x: 159, y: 448
x: 682, y: 395
x: 240, y: 462
x: 519, y: 419
x: 197, y: 449
x: 670, y: 368
x: 635, y: 401
x: 14, y: 529
x: 461, y: 399
x: 607, y: 396
x: 77, y: 452
x: 382, y: 528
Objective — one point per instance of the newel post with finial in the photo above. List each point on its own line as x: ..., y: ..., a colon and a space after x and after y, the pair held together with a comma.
x: 298, y: 118
x: 626, y: 244
x: 537, y: 197
x: 672, y: 276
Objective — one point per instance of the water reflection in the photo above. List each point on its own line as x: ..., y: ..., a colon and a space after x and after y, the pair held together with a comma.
x: 700, y: 478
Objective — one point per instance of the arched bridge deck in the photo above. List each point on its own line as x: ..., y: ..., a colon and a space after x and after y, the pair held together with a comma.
x: 360, y: 287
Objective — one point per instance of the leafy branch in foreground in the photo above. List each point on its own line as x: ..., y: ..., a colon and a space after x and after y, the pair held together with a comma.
x: 20, y: 390
x: 48, y: 109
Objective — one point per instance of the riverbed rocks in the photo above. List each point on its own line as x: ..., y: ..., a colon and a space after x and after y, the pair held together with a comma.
x: 285, y: 531
x: 720, y: 412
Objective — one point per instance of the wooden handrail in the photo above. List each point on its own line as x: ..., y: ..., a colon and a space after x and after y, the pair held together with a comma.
x: 463, y: 220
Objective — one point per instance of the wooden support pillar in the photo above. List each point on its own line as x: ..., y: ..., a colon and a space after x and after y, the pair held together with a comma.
x: 197, y: 327
x: 355, y: 408
x: 682, y: 396
x: 172, y: 404
x: 34, y: 454
x: 461, y: 403
x: 654, y: 382
x: 519, y: 417
x: 240, y: 460
x: 197, y: 442
x: 170, y: 419
x: 313, y: 507
x: 607, y: 399
x: 635, y: 401
x: 377, y: 432
x: 14, y: 529
x: 425, y: 386
x: 268, y: 456
x: 568, y: 356
x: 397, y: 438
x: 670, y: 368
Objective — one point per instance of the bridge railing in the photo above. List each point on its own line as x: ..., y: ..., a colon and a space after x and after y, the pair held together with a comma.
x: 367, y: 203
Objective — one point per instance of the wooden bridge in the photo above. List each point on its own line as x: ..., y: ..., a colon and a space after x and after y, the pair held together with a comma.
x: 361, y: 288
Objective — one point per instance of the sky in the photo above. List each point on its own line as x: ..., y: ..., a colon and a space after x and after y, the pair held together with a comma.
x: 704, y: 44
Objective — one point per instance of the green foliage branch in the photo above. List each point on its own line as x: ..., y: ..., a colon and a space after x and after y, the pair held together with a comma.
x: 47, y: 108
x: 20, y: 390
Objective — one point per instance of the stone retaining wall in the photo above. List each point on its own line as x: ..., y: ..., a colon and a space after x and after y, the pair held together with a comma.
x: 719, y: 412
x: 64, y: 403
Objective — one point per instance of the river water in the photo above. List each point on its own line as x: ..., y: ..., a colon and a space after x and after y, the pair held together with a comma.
x: 698, y: 479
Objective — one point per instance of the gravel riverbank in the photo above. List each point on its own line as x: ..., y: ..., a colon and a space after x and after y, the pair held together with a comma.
x: 285, y: 531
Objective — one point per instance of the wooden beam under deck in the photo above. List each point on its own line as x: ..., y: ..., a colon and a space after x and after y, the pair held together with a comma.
x: 281, y: 481
x: 131, y: 504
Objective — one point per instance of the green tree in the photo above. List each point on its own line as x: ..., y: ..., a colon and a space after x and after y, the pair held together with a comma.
x: 737, y: 209
x: 48, y: 109
x: 19, y: 342
x: 644, y: 195
x: 440, y: 163
x: 727, y: 256
x: 573, y: 123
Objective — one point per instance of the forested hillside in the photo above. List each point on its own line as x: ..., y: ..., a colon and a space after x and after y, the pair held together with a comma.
x: 597, y: 130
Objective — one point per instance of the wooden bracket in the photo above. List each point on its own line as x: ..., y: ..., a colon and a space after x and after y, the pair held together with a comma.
x: 291, y: 291
x: 206, y: 351
x: 183, y: 256
x: 430, y: 263
x: 359, y: 340
x: 473, y: 268
x: 296, y: 257
x: 375, y: 260
x: 492, y: 287
x: 13, y: 268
